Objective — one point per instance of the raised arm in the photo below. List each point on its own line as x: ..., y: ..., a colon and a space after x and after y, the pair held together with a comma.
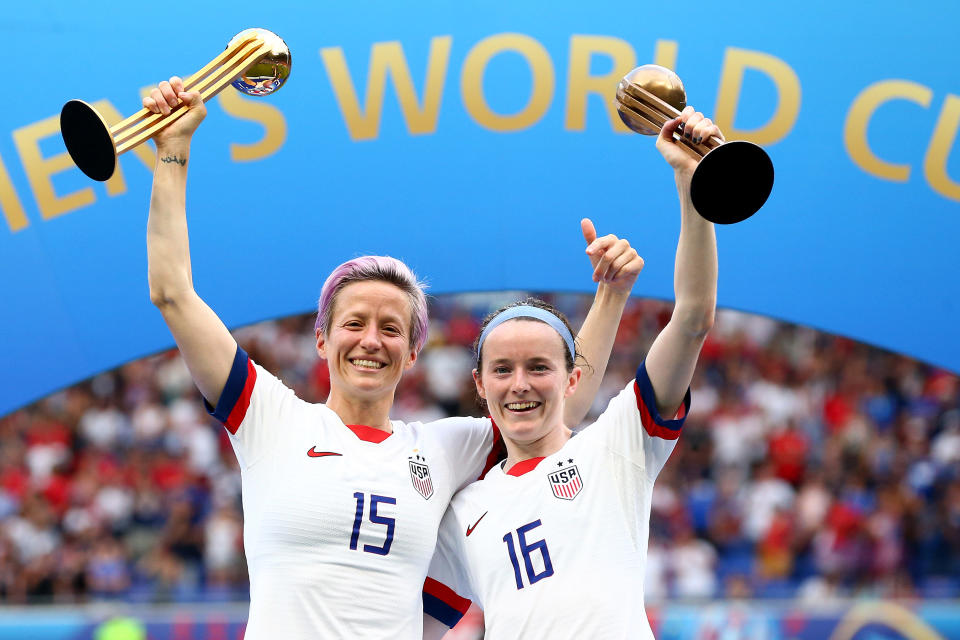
x: 673, y: 355
x: 616, y: 266
x: 205, y: 343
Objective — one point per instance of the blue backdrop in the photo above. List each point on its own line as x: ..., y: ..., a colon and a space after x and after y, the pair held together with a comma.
x: 469, y: 138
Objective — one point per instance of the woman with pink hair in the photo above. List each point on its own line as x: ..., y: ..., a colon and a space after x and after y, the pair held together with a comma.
x: 341, y: 503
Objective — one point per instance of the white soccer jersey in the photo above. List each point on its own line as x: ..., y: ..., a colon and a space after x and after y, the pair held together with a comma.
x: 340, y: 521
x: 556, y: 548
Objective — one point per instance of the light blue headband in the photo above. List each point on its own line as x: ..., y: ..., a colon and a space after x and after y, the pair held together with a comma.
x: 526, y: 311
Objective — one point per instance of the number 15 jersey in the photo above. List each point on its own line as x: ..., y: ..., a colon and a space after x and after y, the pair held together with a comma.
x: 556, y: 547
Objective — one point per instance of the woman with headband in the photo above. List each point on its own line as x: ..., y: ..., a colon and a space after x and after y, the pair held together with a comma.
x: 341, y: 504
x: 552, y: 543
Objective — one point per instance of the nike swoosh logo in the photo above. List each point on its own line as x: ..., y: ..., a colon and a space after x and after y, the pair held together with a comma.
x: 470, y: 529
x: 313, y: 453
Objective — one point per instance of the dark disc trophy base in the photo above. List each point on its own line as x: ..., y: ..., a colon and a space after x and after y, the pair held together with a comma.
x: 732, y: 182
x: 88, y: 140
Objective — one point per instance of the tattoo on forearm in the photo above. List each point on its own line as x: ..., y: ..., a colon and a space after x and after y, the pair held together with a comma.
x: 179, y: 161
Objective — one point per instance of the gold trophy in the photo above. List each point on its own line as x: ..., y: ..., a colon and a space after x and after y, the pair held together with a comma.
x: 256, y: 61
x: 732, y: 179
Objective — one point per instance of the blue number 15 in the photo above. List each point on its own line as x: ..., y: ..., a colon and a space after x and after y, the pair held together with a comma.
x: 390, y: 523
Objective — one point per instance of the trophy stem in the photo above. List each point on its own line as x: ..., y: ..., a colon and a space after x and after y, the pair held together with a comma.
x: 220, y: 59
x: 145, y: 123
x: 95, y: 147
x: 653, y: 112
x: 189, y: 82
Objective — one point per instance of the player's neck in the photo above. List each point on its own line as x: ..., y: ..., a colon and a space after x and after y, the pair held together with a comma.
x: 540, y: 448
x: 372, y: 412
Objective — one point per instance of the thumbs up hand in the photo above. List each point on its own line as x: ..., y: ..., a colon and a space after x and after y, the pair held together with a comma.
x: 615, y: 263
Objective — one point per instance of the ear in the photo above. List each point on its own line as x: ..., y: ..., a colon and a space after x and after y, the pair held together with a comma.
x: 573, y: 379
x: 478, y: 380
x: 411, y: 359
x: 321, y: 344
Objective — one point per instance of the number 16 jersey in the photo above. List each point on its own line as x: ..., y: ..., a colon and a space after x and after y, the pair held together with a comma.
x: 556, y: 547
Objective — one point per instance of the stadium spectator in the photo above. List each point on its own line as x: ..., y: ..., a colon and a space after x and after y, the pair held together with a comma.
x: 692, y: 563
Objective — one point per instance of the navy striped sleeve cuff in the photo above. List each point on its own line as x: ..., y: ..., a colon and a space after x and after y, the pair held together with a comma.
x: 235, y: 397
x: 653, y: 422
x: 442, y: 603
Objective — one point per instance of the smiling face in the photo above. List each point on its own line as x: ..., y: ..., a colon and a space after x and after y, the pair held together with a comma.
x: 367, y: 344
x: 524, y: 380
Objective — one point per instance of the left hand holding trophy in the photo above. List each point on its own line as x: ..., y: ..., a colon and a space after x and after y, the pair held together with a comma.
x: 256, y: 62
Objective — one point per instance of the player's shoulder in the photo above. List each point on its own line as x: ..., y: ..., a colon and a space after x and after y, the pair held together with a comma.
x: 454, y: 423
x: 458, y: 428
x: 624, y: 401
x: 272, y: 384
x: 491, y: 484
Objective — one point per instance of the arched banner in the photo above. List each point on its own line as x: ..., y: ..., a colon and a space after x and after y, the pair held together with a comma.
x: 469, y: 139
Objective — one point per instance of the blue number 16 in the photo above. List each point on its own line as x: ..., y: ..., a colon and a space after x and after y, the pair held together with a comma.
x: 525, y: 550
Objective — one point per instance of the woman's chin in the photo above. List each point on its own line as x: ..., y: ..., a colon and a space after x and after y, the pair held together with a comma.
x: 522, y: 429
x: 364, y: 386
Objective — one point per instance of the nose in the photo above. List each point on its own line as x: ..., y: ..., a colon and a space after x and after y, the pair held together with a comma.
x: 370, y: 340
x: 518, y: 382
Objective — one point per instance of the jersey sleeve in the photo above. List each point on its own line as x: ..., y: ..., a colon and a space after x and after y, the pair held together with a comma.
x: 632, y: 427
x: 252, y: 403
x: 446, y: 592
x: 472, y: 445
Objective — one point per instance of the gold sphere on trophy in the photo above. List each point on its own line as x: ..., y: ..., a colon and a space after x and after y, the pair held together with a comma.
x: 661, y: 82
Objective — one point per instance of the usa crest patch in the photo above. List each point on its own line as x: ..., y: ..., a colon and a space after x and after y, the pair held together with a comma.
x: 420, y: 476
x: 565, y: 483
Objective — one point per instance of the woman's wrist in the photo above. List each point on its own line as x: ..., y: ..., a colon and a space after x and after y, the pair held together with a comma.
x: 178, y: 146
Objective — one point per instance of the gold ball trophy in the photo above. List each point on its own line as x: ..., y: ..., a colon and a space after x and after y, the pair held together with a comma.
x: 256, y: 62
x: 731, y: 181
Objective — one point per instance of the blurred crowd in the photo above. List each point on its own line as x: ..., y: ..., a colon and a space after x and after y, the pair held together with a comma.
x: 810, y: 466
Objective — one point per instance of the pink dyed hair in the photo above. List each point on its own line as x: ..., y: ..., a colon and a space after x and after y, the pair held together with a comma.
x: 384, y: 269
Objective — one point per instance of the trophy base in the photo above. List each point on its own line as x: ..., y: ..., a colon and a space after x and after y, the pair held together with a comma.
x: 732, y: 182
x: 88, y: 140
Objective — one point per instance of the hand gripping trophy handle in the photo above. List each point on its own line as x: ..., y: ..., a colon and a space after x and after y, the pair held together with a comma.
x: 256, y: 61
x: 732, y: 180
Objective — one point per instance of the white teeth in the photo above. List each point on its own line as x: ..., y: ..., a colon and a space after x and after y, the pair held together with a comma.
x: 367, y: 364
x: 520, y: 406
